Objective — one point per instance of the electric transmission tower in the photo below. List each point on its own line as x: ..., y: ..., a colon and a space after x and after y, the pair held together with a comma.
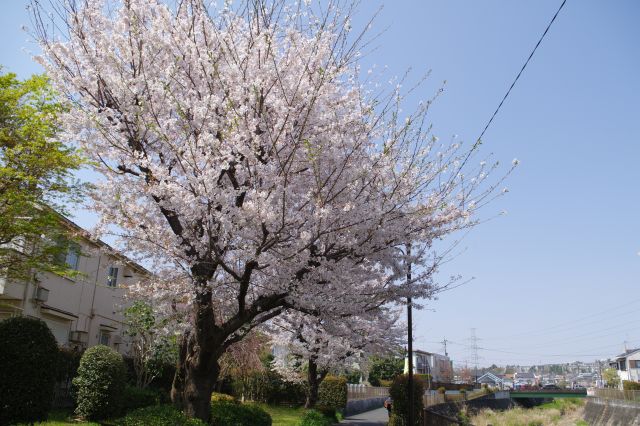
x: 473, y: 345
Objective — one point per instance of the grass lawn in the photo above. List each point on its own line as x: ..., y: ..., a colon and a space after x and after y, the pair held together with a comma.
x: 559, y: 412
x: 64, y: 418
x: 283, y: 416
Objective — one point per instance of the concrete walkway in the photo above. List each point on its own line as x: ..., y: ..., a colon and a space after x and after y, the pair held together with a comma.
x: 377, y: 417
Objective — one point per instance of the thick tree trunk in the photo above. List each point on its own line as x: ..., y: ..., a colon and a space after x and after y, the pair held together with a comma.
x: 312, y: 385
x: 198, y: 368
x: 194, y: 380
x: 314, y: 379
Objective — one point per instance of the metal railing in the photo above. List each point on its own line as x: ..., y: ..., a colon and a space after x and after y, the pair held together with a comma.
x: 433, y: 399
x: 365, y: 392
x: 627, y: 395
x: 430, y: 399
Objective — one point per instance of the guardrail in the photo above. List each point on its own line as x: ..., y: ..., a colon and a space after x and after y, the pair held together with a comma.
x: 627, y: 395
x: 430, y: 399
x: 433, y: 399
x: 355, y: 392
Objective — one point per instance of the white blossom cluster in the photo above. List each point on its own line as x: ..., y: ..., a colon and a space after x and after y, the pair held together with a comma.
x: 243, y: 161
x: 333, y: 344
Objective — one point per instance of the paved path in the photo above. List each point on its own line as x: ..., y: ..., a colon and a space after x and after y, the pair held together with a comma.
x: 377, y: 417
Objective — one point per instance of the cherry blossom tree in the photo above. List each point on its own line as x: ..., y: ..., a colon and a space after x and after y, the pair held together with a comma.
x: 331, y: 344
x: 246, y: 163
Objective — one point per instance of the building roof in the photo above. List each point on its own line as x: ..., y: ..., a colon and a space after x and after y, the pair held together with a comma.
x: 525, y: 376
x: 489, y: 377
x: 112, y: 251
x: 627, y: 353
x: 421, y: 352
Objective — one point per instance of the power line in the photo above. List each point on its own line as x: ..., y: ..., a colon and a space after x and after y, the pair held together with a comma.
x: 533, y: 355
x: 569, y: 324
x: 521, y: 70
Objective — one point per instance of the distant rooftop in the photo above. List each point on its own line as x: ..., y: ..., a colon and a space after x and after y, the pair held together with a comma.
x: 627, y: 353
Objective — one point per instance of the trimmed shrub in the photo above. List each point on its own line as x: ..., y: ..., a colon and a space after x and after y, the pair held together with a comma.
x: 630, y: 385
x: 333, y: 392
x: 442, y: 390
x: 159, y: 415
x: 28, y: 369
x: 399, y: 392
x: 328, y: 412
x: 68, y: 363
x: 100, y: 383
x: 138, y: 398
x: 217, y: 397
x: 353, y: 377
x: 315, y: 418
x: 224, y: 413
x: 425, y: 378
x: 394, y: 420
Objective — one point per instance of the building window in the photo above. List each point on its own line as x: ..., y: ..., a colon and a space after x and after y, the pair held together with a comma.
x: 69, y: 258
x: 105, y: 338
x: 73, y: 258
x: 623, y: 365
x: 634, y: 363
x: 112, y: 277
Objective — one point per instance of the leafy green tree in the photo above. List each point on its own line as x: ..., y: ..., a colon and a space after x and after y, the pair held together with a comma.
x: 35, y: 177
x: 153, y: 345
x: 610, y: 376
x: 385, y: 369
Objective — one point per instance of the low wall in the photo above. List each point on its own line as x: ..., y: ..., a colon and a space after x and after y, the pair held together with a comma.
x: 358, y: 406
x: 611, y: 412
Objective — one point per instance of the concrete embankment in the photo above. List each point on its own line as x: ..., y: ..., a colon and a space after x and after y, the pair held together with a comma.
x: 358, y: 406
x: 611, y: 412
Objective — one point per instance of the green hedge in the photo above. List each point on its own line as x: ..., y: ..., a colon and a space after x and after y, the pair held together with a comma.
x: 68, y: 364
x: 138, y: 398
x: 224, y: 413
x: 399, y: 392
x: 217, y: 397
x: 160, y: 415
x: 162, y: 381
x: 28, y: 367
x: 100, y: 383
x: 630, y: 385
x: 315, y: 418
x: 333, y: 392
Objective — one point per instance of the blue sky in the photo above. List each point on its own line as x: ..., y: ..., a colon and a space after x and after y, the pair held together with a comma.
x: 557, y: 278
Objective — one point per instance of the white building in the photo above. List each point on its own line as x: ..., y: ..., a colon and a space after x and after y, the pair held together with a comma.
x: 436, y: 365
x: 81, y: 311
x: 627, y: 365
x: 524, y: 378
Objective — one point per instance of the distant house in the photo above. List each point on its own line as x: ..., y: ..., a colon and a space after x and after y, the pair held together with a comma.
x: 628, y: 365
x: 524, y: 379
x: 585, y: 379
x: 436, y: 365
x: 491, y: 379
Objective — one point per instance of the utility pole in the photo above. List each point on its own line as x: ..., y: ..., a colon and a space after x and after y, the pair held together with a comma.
x: 410, y: 337
x: 600, y: 374
x: 444, y: 342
